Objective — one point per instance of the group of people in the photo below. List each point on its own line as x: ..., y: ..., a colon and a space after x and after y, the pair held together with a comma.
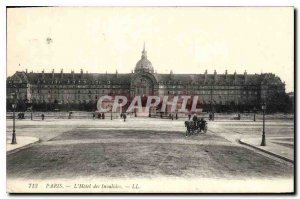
x: 199, y: 123
x: 99, y: 115
x: 171, y: 116
x: 21, y: 116
x: 102, y: 116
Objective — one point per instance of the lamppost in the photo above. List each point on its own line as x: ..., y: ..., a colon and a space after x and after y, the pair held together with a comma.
x: 111, y: 113
x: 31, y: 113
x: 263, y: 141
x: 254, y: 114
x: 14, y: 139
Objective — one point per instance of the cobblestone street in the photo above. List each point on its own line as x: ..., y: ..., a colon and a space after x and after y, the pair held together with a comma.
x: 73, y: 149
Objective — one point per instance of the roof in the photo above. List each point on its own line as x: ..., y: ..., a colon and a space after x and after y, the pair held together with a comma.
x: 218, y: 79
x: 125, y: 78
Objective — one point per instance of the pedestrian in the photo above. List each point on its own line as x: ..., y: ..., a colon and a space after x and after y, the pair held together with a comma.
x: 189, y: 116
x: 124, y: 116
x: 103, y: 116
x: 43, y: 116
x: 202, y: 124
x: 94, y: 116
x: 176, y: 116
x: 195, y: 119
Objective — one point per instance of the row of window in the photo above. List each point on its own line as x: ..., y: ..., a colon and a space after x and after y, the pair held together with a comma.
x: 78, y: 86
x: 221, y: 92
x: 96, y: 97
x: 82, y: 91
x: 167, y: 92
x: 84, y: 100
x: 110, y: 82
x: 161, y: 86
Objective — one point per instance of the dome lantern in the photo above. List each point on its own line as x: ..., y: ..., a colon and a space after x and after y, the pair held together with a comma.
x: 144, y: 65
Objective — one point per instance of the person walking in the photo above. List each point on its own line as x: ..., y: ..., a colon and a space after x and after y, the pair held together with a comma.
x: 43, y: 116
x: 202, y: 124
x: 195, y: 120
x: 124, y: 116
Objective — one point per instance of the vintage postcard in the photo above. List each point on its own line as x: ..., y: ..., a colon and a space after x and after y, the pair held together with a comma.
x: 150, y: 100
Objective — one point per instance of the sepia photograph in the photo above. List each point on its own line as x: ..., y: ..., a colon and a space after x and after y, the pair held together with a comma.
x: 150, y: 100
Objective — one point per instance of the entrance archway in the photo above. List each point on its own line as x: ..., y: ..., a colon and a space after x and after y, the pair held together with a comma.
x: 143, y: 85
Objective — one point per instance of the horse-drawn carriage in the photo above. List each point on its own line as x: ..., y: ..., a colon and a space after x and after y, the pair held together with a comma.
x: 195, y: 127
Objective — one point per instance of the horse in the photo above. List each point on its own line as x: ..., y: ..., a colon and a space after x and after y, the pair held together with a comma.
x: 190, y: 127
x: 195, y: 127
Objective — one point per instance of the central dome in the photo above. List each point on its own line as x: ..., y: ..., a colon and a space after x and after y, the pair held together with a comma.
x: 144, y: 65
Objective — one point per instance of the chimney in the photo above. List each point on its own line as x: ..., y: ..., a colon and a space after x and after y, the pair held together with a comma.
x: 43, y: 74
x: 215, y: 76
x: 226, y: 74
x: 81, y: 73
x: 26, y: 71
x: 245, y: 76
x: 52, y: 73
x: 61, y: 74
x: 234, y: 76
x: 72, y: 72
x: 116, y: 73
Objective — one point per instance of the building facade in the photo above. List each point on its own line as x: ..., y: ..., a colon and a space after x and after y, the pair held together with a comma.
x: 220, y: 91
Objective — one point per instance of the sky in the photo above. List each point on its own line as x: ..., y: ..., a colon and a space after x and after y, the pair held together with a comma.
x: 182, y: 39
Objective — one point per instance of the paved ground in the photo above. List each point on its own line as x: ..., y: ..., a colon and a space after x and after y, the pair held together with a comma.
x: 279, y: 135
x: 281, y: 147
x: 22, y: 141
x: 80, y: 148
